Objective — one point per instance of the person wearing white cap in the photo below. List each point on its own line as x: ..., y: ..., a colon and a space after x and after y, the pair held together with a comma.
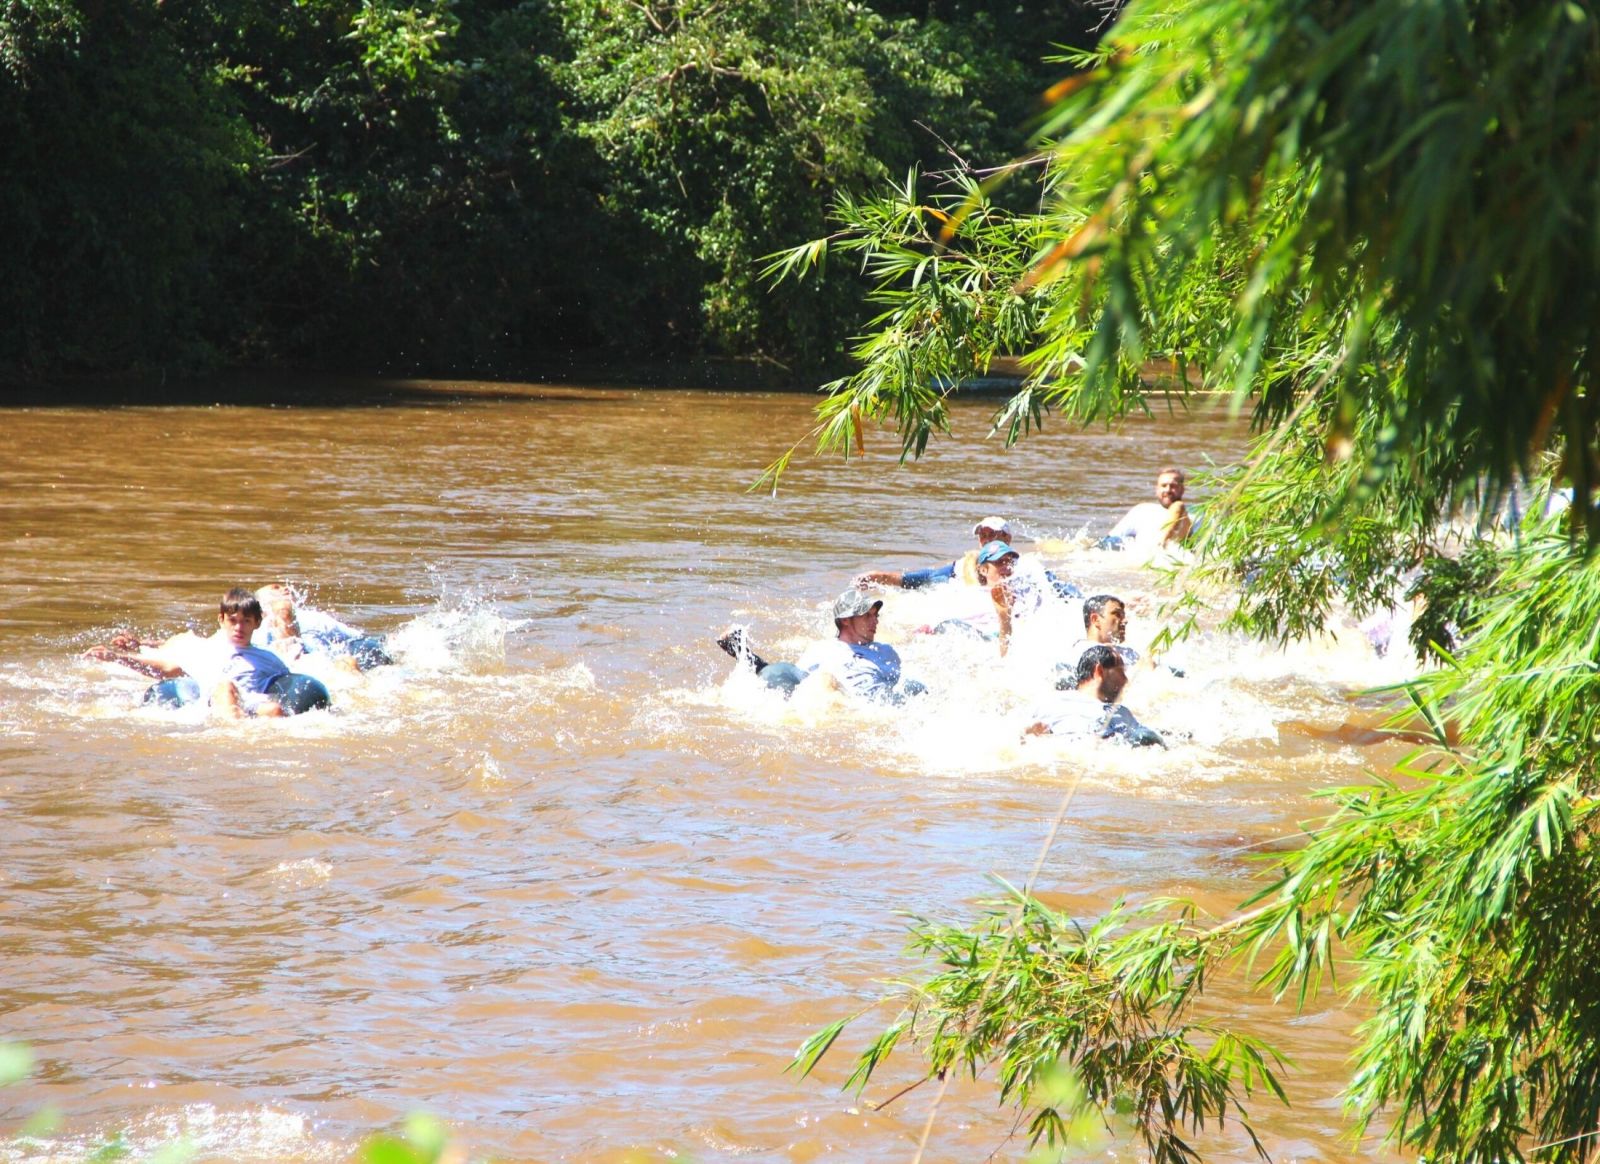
x: 990, y: 529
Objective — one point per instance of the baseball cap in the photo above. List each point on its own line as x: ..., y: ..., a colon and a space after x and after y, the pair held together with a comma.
x: 994, y: 551
x: 999, y: 524
x: 853, y: 602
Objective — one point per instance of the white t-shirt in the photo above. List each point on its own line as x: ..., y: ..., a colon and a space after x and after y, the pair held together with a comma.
x: 1143, y: 523
x: 869, y: 669
x: 320, y: 633
x: 249, y: 669
x: 1073, y: 713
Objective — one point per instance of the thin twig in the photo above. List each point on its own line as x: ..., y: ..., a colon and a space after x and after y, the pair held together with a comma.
x: 1016, y: 920
x: 906, y: 1090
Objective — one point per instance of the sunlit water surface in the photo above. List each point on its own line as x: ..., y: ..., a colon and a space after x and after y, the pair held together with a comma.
x: 561, y: 877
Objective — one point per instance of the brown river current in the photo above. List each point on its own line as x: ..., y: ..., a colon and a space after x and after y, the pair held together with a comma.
x: 558, y: 877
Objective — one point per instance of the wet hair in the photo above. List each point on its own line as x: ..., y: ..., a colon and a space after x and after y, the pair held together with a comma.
x: 1095, y: 604
x: 1098, y: 655
x: 240, y: 600
x: 1174, y: 470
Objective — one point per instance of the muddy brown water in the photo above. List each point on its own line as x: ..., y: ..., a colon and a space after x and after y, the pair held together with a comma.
x: 555, y: 877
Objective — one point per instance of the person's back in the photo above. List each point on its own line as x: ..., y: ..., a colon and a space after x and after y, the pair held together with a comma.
x: 1087, y: 704
x: 871, y: 670
x: 1078, y: 713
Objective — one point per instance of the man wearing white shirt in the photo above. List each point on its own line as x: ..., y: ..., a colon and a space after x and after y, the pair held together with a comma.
x: 1158, y: 524
x: 854, y: 660
x: 1089, y: 707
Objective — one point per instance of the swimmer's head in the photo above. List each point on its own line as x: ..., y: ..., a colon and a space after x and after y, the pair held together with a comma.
x: 278, y: 601
x: 995, y: 561
x: 239, y: 615
x: 1101, y: 673
x: 276, y: 597
x: 1169, y: 485
x: 992, y: 529
x: 240, y: 601
x: 1105, y: 618
x: 855, y: 616
x: 854, y: 603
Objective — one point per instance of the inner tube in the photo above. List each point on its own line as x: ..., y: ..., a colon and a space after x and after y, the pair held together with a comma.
x: 784, y: 677
x: 298, y: 694
x: 174, y: 692
x: 295, y: 693
x: 369, y: 651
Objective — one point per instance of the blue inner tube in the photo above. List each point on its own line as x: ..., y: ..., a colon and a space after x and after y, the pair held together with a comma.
x: 174, y: 692
x: 784, y: 677
x: 295, y: 693
x: 369, y: 651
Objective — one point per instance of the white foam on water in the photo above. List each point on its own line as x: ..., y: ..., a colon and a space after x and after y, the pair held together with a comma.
x: 301, y: 873
x: 196, y: 1130
x: 1234, y: 690
x: 434, y: 653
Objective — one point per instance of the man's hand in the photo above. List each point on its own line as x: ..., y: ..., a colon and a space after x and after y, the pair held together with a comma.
x: 887, y: 578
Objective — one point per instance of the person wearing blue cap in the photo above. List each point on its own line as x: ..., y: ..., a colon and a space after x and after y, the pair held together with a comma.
x: 1015, y: 596
x: 987, y: 531
x: 1017, y: 590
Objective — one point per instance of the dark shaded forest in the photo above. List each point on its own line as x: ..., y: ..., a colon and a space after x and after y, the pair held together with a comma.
x: 473, y: 188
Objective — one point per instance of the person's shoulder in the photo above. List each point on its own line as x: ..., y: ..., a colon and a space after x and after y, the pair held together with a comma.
x: 260, y: 657
x: 822, y: 652
x: 320, y: 622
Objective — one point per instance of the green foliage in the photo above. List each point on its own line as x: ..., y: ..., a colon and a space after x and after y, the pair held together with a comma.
x: 27, y: 26
x: 1377, y: 227
x: 458, y: 184
x: 121, y: 166
x: 1454, y: 593
x: 423, y: 1141
x: 1347, y: 215
x: 726, y: 128
x: 1108, y: 1008
x: 945, y: 273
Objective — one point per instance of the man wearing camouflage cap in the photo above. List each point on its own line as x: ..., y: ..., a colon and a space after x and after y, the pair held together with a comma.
x: 854, y: 659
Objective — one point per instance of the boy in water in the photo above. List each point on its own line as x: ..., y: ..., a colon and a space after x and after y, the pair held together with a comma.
x: 232, y: 674
x: 240, y: 687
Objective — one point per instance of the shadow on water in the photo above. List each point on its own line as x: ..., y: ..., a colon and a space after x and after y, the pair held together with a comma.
x: 268, y: 389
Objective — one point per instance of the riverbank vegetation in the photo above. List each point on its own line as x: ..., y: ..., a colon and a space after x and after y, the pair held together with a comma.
x: 1377, y: 227
x: 469, y: 187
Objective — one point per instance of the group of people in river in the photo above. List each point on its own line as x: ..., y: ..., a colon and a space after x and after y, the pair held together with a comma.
x: 1092, y: 671
x: 256, y: 661
x: 245, y: 667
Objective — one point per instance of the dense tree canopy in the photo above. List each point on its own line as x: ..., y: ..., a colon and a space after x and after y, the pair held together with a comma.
x: 466, y: 185
x: 1376, y: 226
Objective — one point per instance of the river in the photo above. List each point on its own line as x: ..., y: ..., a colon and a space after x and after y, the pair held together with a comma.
x: 555, y: 877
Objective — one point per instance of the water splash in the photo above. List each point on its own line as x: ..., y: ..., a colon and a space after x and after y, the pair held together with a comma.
x: 1233, y: 691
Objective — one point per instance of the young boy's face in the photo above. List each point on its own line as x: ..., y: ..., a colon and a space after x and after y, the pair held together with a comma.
x: 238, y: 626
